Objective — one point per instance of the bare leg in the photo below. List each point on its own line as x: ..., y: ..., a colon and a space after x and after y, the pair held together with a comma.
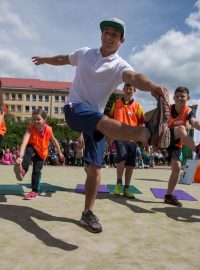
x: 128, y: 174
x: 176, y: 168
x: 120, y: 169
x: 118, y: 131
x: 91, y: 185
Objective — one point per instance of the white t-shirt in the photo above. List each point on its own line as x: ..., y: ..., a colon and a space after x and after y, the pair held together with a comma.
x: 96, y: 77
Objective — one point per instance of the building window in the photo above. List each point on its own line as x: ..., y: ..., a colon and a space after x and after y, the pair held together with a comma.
x: 56, y: 98
x: 12, y: 108
x: 61, y: 110
x: 56, y: 110
x: 19, y: 108
x: 33, y: 97
x: 40, y: 98
x: 46, y: 98
x: 46, y: 109
x: 27, y: 97
x: 18, y: 119
x: 63, y: 98
x: 40, y: 107
x: 33, y: 108
x: 13, y: 96
x: 27, y: 109
x: 6, y: 96
x: 19, y: 96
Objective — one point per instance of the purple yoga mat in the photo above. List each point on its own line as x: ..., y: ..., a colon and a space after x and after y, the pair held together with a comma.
x: 102, y: 188
x: 180, y: 194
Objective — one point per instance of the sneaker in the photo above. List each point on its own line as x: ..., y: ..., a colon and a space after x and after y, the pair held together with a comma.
x: 158, y: 125
x: 171, y: 199
x: 128, y: 193
x: 117, y: 190
x: 19, y: 171
x: 31, y: 195
x: 90, y: 222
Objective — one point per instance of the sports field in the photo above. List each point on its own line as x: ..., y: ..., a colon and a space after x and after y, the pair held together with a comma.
x: 142, y: 234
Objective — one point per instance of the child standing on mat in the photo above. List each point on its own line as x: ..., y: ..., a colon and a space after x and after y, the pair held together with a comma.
x: 35, y: 142
x: 180, y: 113
x: 129, y: 112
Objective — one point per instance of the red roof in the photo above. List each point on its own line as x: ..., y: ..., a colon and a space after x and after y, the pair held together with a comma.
x: 33, y: 83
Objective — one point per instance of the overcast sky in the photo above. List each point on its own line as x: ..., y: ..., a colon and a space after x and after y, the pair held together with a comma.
x: 162, y: 38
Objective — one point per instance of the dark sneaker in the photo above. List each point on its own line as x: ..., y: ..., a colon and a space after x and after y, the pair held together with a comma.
x: 19, y: 171
x: 197, y: 150
x: 90, y: 222
x: 158, y: 125
x: 171, y: 199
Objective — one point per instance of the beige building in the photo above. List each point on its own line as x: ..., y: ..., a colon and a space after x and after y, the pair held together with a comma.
x: 23, y: 96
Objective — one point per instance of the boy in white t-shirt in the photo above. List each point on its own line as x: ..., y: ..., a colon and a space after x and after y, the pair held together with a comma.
x: 98, y: 73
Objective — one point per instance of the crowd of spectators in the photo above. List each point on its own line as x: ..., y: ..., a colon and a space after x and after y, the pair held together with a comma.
x: 73, y: 150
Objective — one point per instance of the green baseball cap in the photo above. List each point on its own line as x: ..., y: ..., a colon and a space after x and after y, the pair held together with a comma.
x: 115, y: 23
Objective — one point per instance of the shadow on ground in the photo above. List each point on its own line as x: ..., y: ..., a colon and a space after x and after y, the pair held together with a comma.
x: 149, y: 180
x: 127, y: 202
x: 180, y: 214
x: 22, y: 215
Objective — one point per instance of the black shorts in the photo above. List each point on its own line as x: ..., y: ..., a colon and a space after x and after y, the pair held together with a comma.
x: 126, y: 151
x: 174, y: 151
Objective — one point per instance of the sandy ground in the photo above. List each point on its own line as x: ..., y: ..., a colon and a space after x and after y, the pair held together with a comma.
x: 142, y: 234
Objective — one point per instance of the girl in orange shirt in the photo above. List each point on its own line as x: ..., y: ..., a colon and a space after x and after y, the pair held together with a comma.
x: 3, y: 111
x: 35, y: 142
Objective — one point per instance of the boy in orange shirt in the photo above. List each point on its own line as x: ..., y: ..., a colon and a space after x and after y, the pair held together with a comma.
x: 35, y: 142
x: 129, y: 112
x: 180, y: 113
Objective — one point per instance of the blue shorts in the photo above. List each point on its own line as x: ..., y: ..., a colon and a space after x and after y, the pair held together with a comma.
x: 126, y: 151
x: 82, y: 118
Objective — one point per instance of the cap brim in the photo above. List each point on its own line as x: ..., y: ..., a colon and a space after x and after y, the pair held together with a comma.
x: 112, y: 24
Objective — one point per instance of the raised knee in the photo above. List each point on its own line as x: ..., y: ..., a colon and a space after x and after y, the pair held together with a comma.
x: 179, y: 130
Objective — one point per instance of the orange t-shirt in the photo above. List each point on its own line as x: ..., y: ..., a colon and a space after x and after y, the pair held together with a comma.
x: 3, y: 125
x: 40, y: 140
x: 179, y: 120
x: 129, y: 114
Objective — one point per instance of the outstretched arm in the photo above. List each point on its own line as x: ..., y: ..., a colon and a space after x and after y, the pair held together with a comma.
x: 56, y: 144
x: 195, y: 123
x: 143, y: 83
x: 57, y: 60
x: 23, y: 147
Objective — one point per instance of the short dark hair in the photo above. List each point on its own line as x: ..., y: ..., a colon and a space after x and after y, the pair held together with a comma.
x: 40, y: 112
x: 127, y: 84
x: 182, y: 89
